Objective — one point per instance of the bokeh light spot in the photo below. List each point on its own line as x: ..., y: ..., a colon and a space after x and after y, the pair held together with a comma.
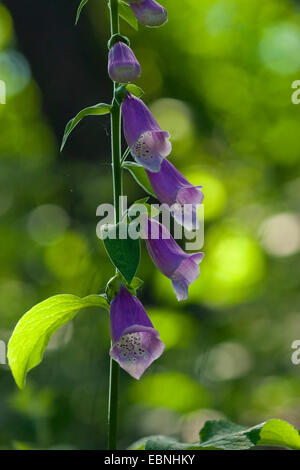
x: 280, y: 234
x: 279, y: 48
x: 215, y: 195
x: 47, y: 223
x: 68, y: 257
x: 175, y: 116
x: 15, y: 71
x: 177, y: 330
x: 227, y: 361
x: 159, y: 391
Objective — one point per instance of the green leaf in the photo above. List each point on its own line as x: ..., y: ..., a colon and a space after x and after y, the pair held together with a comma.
x: 228, y: 436
x: 140, y: 176
x: 224, y: 435
x: 135, y: 90
x: 127, y: 14
x: 124, y: 253
x: 138, y: 445
x: 82, y: 4
x: 97, y: 110
x: 32, y: 333
x: 277, y: 432
x: 164, y: 443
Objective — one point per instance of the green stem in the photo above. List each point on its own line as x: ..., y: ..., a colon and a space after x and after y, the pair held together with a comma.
x: 117, y: 187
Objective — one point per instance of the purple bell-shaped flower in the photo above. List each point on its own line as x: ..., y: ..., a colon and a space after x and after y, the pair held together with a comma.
x: 149, y: 12
x: 173, y: 189
x: 135, y: 342
x: 148, y: 143
x: 123, y: 66
x: 182, y: 268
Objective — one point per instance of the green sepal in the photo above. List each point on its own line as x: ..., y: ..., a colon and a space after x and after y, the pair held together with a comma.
x: 114, y: 284
x: 118, y: 38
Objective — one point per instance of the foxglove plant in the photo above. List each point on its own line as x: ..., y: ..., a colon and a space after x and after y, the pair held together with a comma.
x: 135, y: 343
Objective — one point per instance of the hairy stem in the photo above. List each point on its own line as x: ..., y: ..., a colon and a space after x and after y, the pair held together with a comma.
x: 117, y: 186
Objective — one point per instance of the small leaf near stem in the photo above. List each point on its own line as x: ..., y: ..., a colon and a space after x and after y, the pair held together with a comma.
x: 135, y: 90
x: 124, y: 252
x: 139, y: 174
x: 127, y: 14
x: 125, y: 155
x: 97, y: 110
x: 82, y: 4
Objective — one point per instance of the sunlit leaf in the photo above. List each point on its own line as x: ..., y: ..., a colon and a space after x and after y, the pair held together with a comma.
x: 140, y: 176
x: 123, y: 251
x: 97, y: 110
x: 82, y: 4
x: 32, y: 333
x: 280, y: 433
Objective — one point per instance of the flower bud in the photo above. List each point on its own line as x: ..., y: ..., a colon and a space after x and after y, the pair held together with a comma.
x: 149, y: 12
x: 123, y: 66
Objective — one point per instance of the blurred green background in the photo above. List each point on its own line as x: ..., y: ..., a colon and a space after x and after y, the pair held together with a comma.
x: 218, y: 76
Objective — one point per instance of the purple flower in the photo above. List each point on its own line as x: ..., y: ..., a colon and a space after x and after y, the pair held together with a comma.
x: 123, y: 66
x: 149, y: 12
x: 135, y: 342
x: 182, y: 268
x: 149, y: 144
x: 173, y: 189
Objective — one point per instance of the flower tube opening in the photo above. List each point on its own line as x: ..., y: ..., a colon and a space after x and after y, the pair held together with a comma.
x: 181, y: 268
x: 135, y: 342
x: 149, y: 144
